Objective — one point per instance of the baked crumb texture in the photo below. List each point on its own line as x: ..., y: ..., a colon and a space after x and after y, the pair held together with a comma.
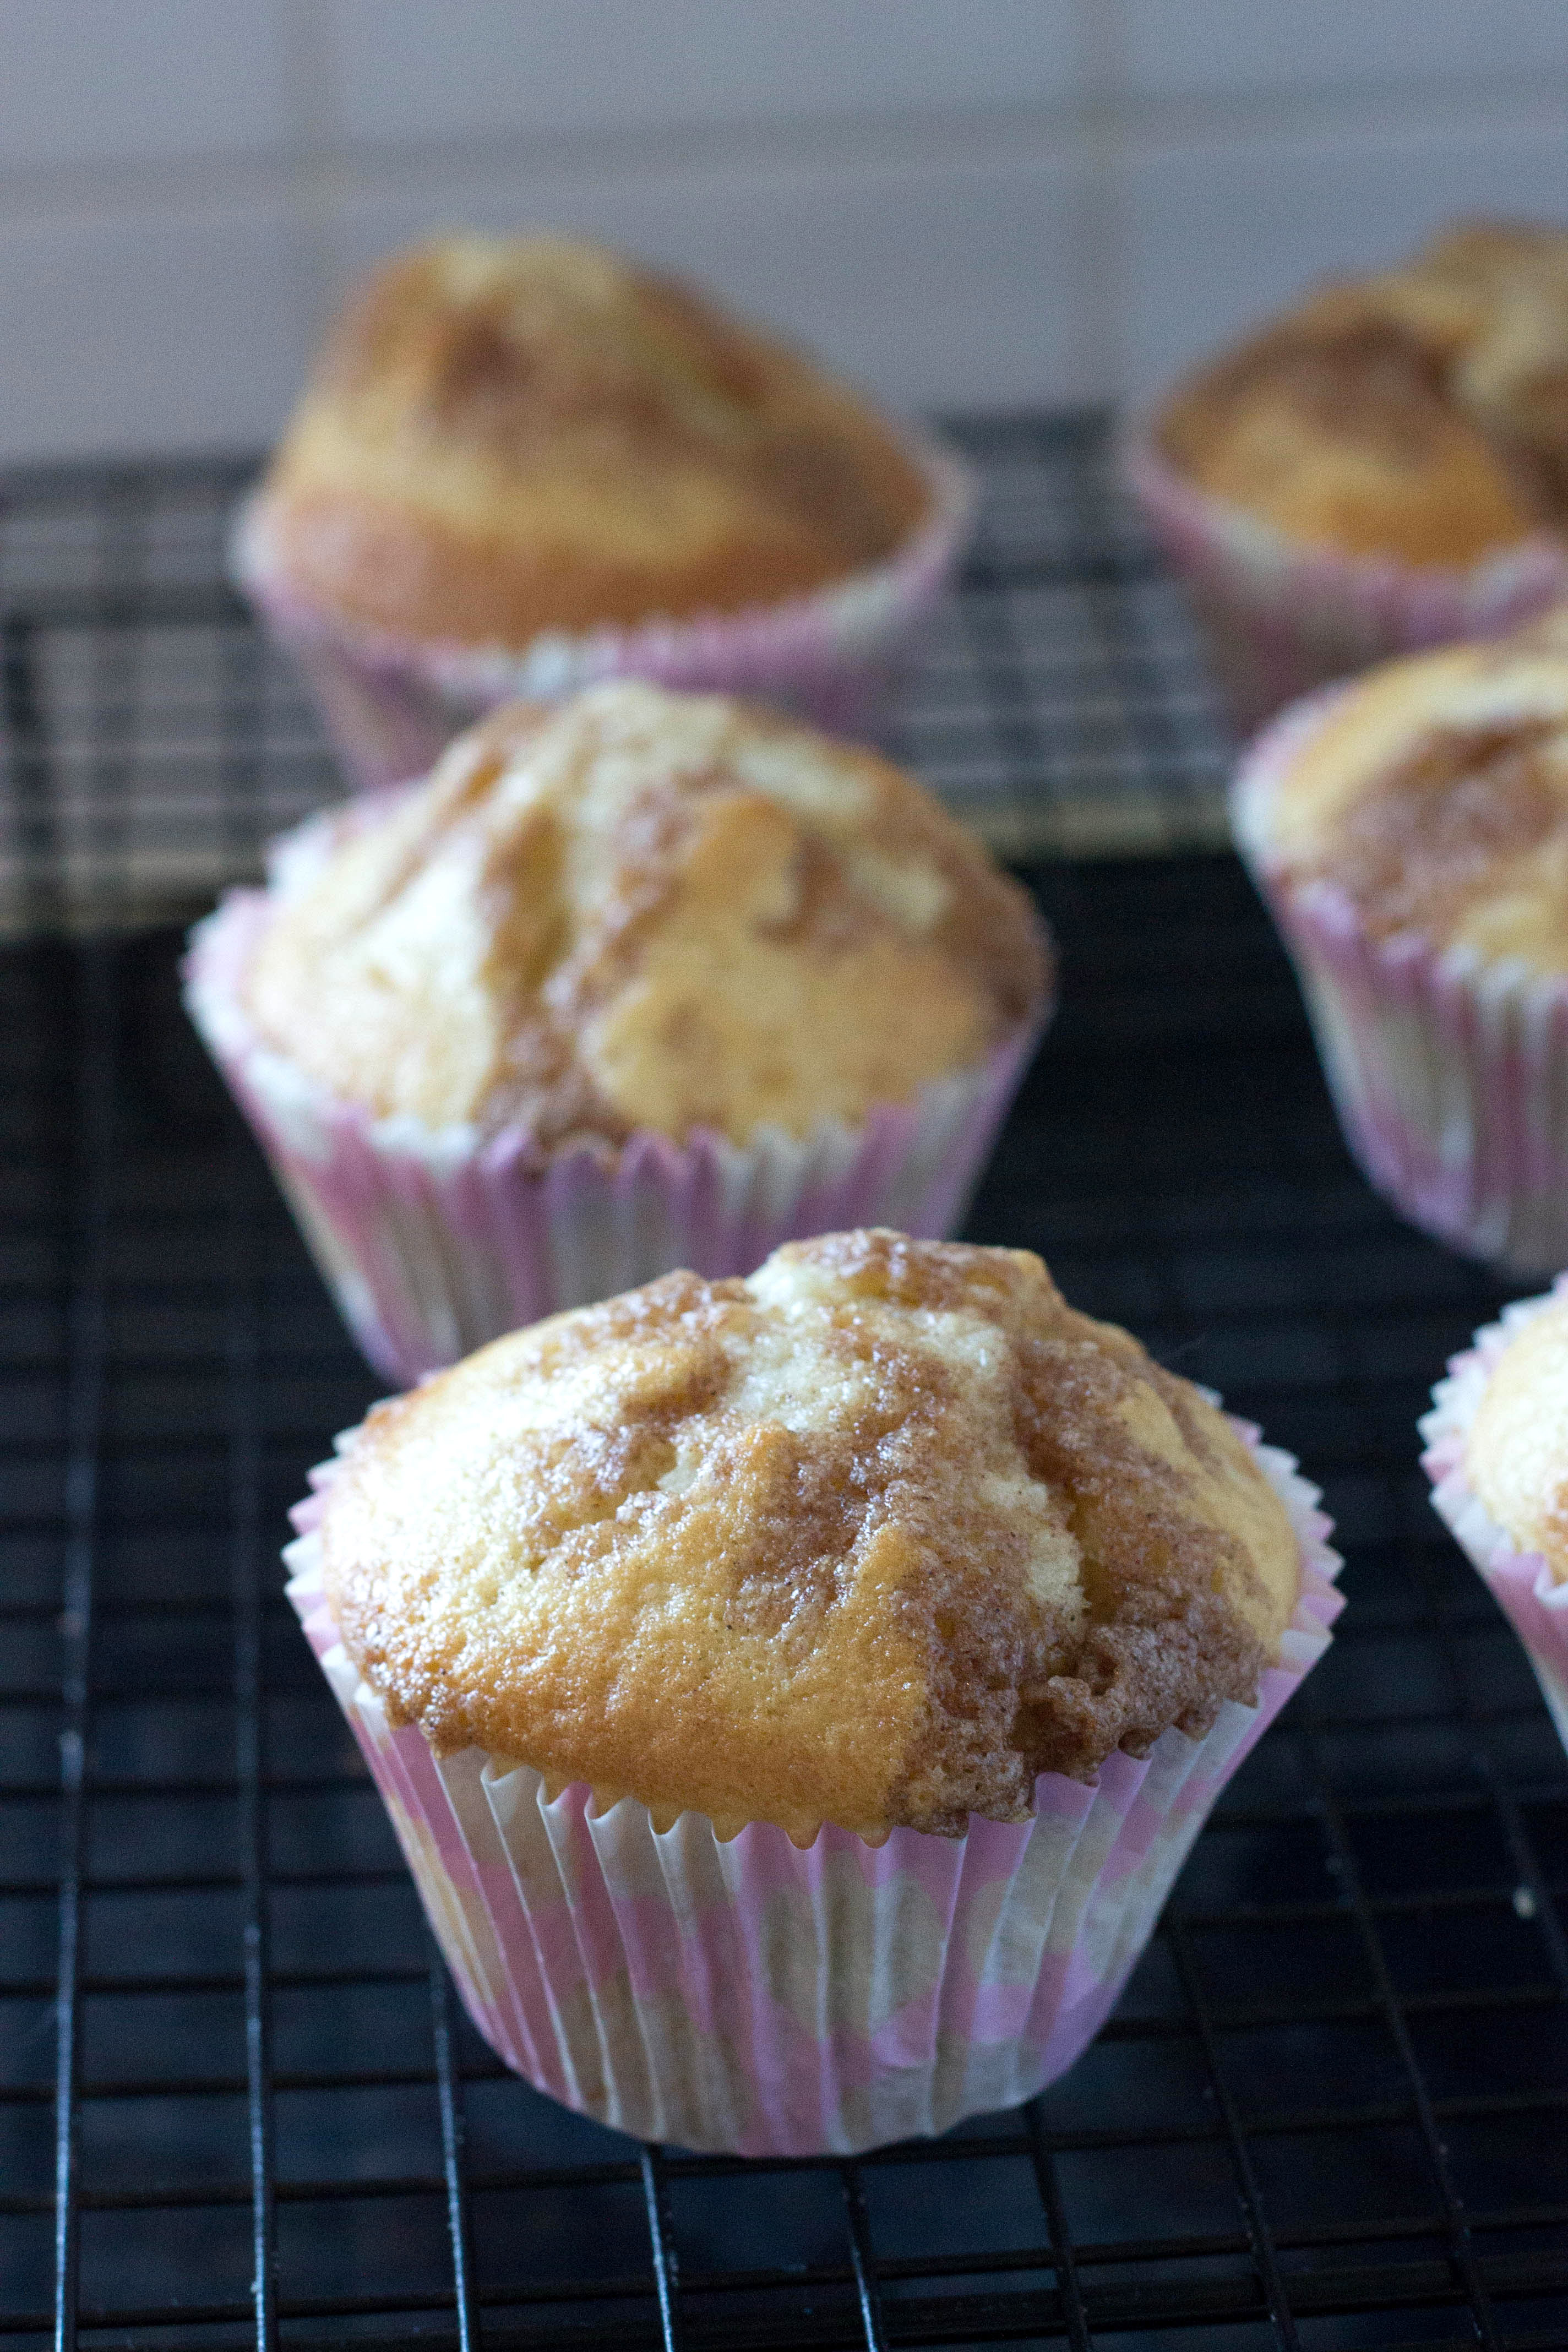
x: 1516, y: 1450
x: 649, y: 910
x: 506, y: 436
x: 872, y: 1537
x: 1421, y: 414
x: 1434, y: 793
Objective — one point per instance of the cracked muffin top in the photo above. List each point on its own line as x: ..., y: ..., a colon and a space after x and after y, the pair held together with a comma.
x: 643, y: 909
x: 1516, y: 1451
x: 1420, y: 415
x: 1435, y: 795
x: 873, y: 1537
x: 506, y: 436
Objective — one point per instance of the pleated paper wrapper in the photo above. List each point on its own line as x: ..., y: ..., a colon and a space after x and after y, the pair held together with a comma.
x: 752, y: 1995
x: 1520, y: 1582
x: 1448, y: 1069
x: 434, y: 1241
x: 391, y: 704
x: 1281, y: 617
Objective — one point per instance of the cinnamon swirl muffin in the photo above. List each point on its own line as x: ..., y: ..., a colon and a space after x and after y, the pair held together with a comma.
x: 1384, y: 466
x: 638, y: 980
x: 523, y: 463
x: 884, y: 1552
x: 1411, y: 835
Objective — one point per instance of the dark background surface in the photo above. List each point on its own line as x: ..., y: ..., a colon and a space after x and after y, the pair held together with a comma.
x: 1331, y: 2109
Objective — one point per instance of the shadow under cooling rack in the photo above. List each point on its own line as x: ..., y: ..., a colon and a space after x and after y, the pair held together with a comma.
x: 238, y: 2104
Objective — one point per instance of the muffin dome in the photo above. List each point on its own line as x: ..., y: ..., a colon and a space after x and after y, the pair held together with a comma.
x: 512, y: 436
x: 1421, y: 414
x: 1435, y: 795
x: 643, y: 909
x: 1516, y: 1451
x: 872, y: 1537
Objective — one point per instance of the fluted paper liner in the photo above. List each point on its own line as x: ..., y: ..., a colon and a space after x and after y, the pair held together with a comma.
x: 393, y: 703
x: 1282, y: 618
x: 434, y: 1241
x: 1448, y: 1069
x: 1520, y: 1582
x: 752, y: 1995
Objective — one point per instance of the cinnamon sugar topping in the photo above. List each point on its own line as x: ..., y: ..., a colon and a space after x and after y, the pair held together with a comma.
x: 1457, y: 810
x: 1421, y: 414
x: 649, y: 910
x: 875, y: 1536
x: 1433, y: 794
x: 508, y: 437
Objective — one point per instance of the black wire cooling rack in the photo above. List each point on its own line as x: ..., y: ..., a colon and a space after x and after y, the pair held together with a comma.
x: 237, y: 2103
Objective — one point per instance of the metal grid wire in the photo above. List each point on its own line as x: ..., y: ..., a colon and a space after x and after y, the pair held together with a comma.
x: 238, y: 2102
x: 1058, y: 707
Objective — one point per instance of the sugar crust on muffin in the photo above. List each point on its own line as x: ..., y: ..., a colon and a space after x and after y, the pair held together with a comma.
x: 641, y: 910
x: 1434, y: 793
x: 507, y: 437
x: 1420, y: 415
x: 1516, y: 1449
x: 873, y: 1537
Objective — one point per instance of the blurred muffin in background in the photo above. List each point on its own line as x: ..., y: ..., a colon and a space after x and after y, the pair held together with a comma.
x: 1410, y: 832
x: 1383, y: 469
x: 637, y: 981
x: 524, y: 463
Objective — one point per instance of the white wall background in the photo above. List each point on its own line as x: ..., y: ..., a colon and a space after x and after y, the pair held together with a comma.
x: 966, y: 202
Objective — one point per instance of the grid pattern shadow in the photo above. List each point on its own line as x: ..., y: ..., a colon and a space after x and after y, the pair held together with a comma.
x: 238, y: 2104
x: 153, y: 744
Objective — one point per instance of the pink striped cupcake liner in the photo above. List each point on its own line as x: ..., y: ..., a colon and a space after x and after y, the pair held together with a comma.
x: 432, y: 1241
x: 1520, y: 1582
x: 1448, y: 1070
x: 1281, y: 618
x: 755, y: 1997
x: 391, y: 704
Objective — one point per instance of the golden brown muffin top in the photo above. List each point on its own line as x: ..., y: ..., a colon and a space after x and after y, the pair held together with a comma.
x: 506, y: 436
x: 644, y: 909
x: 1420, y: 415
x: 1516, y: 1452
x: 873, y: 1537
x: 1435, y: 793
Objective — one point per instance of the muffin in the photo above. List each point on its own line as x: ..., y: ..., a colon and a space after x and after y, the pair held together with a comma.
x: 637, y: 981
x: 1410, y: 832
x: 524, y: 465
x: 1383, y: 469
x: 1497, y: 1453
x: 795, y: 1695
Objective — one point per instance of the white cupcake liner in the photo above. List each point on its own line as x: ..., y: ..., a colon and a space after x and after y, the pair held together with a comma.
x: 432, y: 1241
x: 393, y: 703
x: 1520, y: 1582
x: 1449, y: 1070
x: 1281, y: 617
x: 748, y: 1995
